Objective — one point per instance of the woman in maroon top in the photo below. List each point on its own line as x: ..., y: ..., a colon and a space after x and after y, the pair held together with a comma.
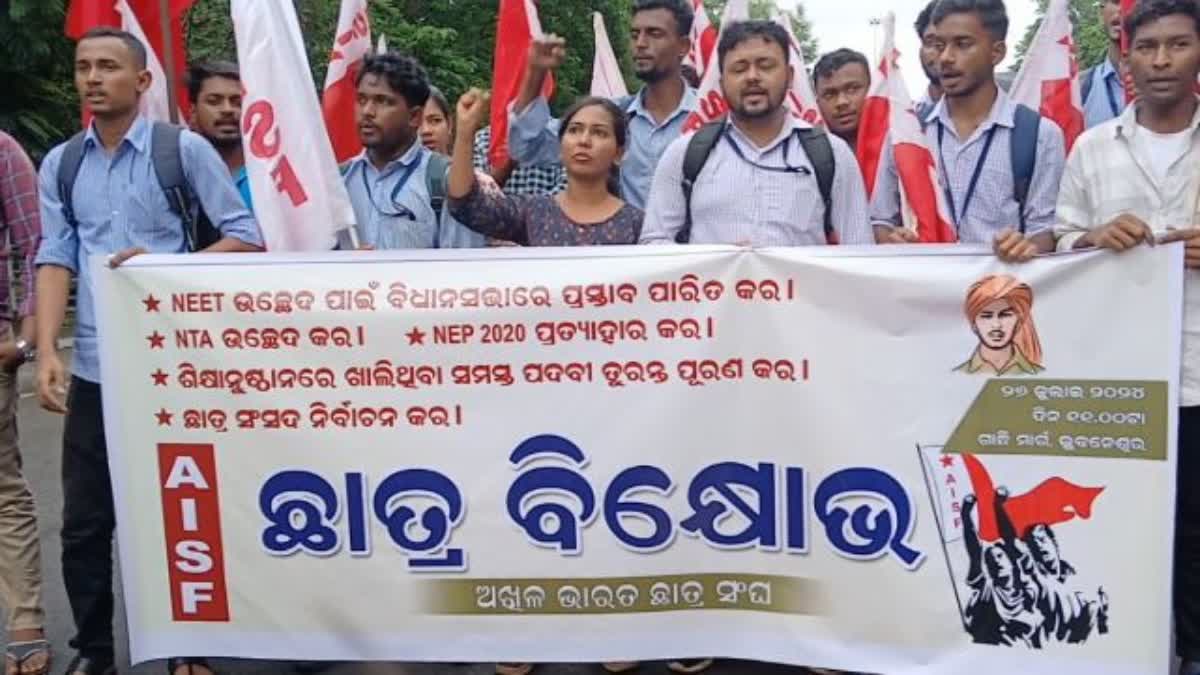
x: 589, y: 212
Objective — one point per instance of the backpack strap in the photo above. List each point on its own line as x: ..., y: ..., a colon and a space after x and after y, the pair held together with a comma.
x: 1026, y: 122
x: 1086, y: 79
x: 68, y: 170
x: 699, y: 147
x: 437, y: 181
x: 167, y: 159
x: 819, y: 149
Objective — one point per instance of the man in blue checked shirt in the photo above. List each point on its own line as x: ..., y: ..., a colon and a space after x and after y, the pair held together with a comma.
x: 117, y: 207
x: 390, y: 184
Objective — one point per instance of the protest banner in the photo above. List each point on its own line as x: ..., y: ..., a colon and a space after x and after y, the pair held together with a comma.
x: 891, y: 460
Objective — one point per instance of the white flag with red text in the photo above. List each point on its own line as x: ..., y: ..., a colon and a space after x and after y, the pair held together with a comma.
x: 299, y: 198
x: 704, y: 39
x: 155, y: 103
x: 949, y: 483
x: 712, y: 101
x: 1049, y: 78
x: 607, y: 81
x: 889, y: 114
x: 351, y: 44
x: 801, y: 97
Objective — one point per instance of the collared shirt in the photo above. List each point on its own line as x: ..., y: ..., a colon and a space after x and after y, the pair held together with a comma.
x: 1109, y: 175
x: 1106, y: 100
x: 992, y: 207
x: 242, y: 180
x: 21, y: 223
x: 525, y: 181
x: 119, y: 204
x: 393, y: 207
x: 534, y: 139
x: 734, y: 201
x: 1017, y: 365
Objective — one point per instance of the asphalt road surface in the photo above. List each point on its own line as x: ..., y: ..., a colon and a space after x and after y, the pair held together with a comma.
x: 41, y: 448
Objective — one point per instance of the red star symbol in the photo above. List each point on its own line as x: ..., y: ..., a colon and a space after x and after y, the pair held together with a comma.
x: 164, y: 417
x: 947, y: 461
x: 156, y: 340
x: 151, y: 303
x: 160, y: 378
x: 415, y: 337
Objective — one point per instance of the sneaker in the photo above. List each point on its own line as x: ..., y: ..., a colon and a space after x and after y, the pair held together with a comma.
x: 690, y: 665
x: 513, y: 668
x: 620, y: 666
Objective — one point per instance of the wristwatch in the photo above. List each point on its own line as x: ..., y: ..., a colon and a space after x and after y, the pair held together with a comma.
x: 27, y: 351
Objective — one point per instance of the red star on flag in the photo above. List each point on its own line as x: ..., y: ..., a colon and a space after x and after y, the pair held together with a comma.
x: 947, y: 461
x: 415, y: 337
x: 160, y: 378
x: 164, y: 417
x: 156, y: 340
x: 151, y: 303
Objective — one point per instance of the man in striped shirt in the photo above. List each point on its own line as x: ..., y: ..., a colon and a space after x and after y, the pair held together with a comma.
x: 757, y: 186
x: 1132, y: 181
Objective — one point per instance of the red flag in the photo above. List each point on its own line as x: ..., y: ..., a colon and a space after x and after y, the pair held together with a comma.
x: 1054, y: 500
x: 516, y: 27
x: 704, y: 39
x: 1049, y: 77
x: 889, y: 114
x: 351, y: 44
x: 84, y: 15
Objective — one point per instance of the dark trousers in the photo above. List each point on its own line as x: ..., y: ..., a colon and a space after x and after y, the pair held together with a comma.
x: 88, y: 522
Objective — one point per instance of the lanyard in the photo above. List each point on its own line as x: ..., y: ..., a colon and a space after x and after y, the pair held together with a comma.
x: 987, y: 146
x: 396, y: 210
x: 786, y: 168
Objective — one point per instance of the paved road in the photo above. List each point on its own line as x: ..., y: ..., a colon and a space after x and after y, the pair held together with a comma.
x: 41, y: 433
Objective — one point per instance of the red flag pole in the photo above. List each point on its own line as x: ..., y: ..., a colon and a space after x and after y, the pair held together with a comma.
x: 164, y: 16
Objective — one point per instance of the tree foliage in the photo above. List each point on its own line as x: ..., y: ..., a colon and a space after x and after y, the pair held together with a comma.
x: 39, y: 104
x: 763, y: 9
x: 1090, y: 35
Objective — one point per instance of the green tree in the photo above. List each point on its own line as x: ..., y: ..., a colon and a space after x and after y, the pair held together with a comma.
x: 763, y: 9
x: 1090, y: 35
x: 39, y: 107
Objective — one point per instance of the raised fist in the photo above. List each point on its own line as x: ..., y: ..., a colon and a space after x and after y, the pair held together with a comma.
x: 547, y: 52
x: 473, y: 110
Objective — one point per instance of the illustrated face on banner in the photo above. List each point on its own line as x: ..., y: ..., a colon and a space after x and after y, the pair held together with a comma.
x: 1000, y: 568
x: 969, y: 54
x: 996, y: 325
x: 217, y: 113
x: 386, y: 122
x: 109, y: 76
x: 841, y: 96
x: 755, y: 78
x: 1164, y: 57
x: 1110, y: 16
x: 1044, y: 547
x: 658, y: 46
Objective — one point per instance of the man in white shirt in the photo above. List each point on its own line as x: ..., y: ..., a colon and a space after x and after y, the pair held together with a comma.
x: 1131, y: 181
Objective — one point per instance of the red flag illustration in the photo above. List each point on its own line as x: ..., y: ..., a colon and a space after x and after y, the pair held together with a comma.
x: 889, y: 113
x: 1049, y: 77
x: 516, y: 27
x: 1053, y: 501
x: 351, y: 44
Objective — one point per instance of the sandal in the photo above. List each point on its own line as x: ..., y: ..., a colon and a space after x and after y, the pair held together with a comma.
x: 690, y: 665
x: 17, y: 656
x: 87, y: 665
x: 189, y: 662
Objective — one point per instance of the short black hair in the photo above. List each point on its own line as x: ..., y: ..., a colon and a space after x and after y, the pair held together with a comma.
x: 992, y: 14
x: 741, y: 31
x: 680, y: 9
x: 924, y: 19
x: 834, y: 61
x: 1146, y: 11
x: 199, y: 73
x: 135, y: 46
x: 404, y: 74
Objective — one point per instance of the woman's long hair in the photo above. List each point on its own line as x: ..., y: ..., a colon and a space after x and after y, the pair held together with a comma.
x: 620, y: 132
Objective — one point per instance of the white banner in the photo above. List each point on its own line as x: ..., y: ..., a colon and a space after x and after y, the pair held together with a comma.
x: 902, y: 461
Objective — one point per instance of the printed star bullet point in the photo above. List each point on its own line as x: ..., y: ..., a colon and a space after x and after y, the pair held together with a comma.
x: 164, y: 417
x: 156, y: 340
x: 160, y: 378
x: 415, y: 337
x: 151, y: 303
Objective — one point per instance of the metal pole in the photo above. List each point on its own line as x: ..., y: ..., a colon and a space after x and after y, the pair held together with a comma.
x: 168, y: 57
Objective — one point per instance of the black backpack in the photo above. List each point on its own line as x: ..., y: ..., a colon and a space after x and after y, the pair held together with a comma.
x: 198, y: 231
x: 814, y: 141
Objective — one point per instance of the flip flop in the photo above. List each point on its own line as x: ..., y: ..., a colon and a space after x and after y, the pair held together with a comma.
x: 18, y: 655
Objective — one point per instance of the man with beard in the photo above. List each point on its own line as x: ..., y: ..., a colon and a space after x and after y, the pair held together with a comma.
x: 998, y: 162
x: 215, y: 90
x: 842, y: 78
x: 758, y: 184
x: 930, y: 50
x: 656, y: 113
x: 1102, y: 84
